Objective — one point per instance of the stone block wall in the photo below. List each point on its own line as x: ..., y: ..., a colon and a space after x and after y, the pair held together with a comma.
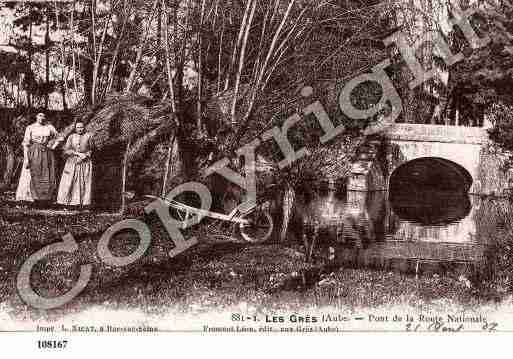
x: 494, y: 177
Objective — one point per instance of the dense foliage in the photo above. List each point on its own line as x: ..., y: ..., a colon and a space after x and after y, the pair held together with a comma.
x: 486, y: 75
x: 197, y: 79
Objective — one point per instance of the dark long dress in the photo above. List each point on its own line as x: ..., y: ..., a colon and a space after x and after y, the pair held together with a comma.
x: 38, y: 182
x: 42, y: 171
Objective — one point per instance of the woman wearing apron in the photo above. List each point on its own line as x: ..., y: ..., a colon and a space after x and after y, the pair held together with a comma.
x: 37, y: 180
x: 76, y: 180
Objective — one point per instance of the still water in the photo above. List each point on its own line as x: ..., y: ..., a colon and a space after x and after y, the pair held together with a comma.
x: 415, y: 231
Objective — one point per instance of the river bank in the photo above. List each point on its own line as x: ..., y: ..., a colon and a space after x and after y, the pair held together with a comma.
x: 216, y: 274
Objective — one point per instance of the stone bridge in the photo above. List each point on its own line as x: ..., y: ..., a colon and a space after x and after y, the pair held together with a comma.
x: 451, y: 157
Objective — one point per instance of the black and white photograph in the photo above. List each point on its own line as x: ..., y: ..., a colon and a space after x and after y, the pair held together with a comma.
x: 255, y: 167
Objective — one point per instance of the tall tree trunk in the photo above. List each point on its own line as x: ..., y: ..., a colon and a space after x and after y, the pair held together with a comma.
x: 87, y: 75
x: 114, y: 61
x: 200, y: 69
x: 220, y: 56
x: 168, y: 59
x: 73, y: 55
x: 174, y: 163
x: 93, y: 34
x: 47, y: 57
x: 237, y: 44
x: 233, y: 112
x: 18, y: 91
x: 8, y: 161
x: 259, y: 80
x: 64, y: 102
x: 86, y: 64
x: 159, y: 25
x: 124, y: 178
x: 142, y: 45
x: 29, y: 93
x: 289, y: 196
x: 64, y: 72
x: 97, y: 62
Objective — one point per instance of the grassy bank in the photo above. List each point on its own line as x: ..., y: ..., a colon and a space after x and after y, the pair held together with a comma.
x: 211, y: 276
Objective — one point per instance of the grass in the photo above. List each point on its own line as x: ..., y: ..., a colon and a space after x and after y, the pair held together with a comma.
x: 215, y: 274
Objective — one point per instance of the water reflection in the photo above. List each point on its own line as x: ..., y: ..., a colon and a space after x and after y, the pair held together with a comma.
x: 415, y: 232
x: 431, y: 207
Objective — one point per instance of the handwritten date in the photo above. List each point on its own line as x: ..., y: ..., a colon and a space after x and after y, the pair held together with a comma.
x: 438, y: 327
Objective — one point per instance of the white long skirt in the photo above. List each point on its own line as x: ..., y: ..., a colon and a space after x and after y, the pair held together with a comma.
x: 23, y: 192
x: 76, y: 183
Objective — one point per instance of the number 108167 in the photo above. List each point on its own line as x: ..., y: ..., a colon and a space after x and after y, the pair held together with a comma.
x: 52, y: 344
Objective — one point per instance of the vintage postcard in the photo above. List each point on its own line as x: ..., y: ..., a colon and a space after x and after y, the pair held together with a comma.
x: 255, y: 166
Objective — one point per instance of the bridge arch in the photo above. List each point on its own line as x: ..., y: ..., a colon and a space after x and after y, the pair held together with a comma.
x: 435, y: 172
x: 456, y: 149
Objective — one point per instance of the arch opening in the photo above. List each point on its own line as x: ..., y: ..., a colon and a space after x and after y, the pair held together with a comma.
x: 432, y: 173
x: 430, y: 191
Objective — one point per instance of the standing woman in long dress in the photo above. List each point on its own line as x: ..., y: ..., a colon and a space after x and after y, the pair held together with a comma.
x: 37, y: 180
x: 76, y: 180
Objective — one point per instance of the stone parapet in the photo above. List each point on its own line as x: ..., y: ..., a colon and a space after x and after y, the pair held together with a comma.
x: 437, y: 133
